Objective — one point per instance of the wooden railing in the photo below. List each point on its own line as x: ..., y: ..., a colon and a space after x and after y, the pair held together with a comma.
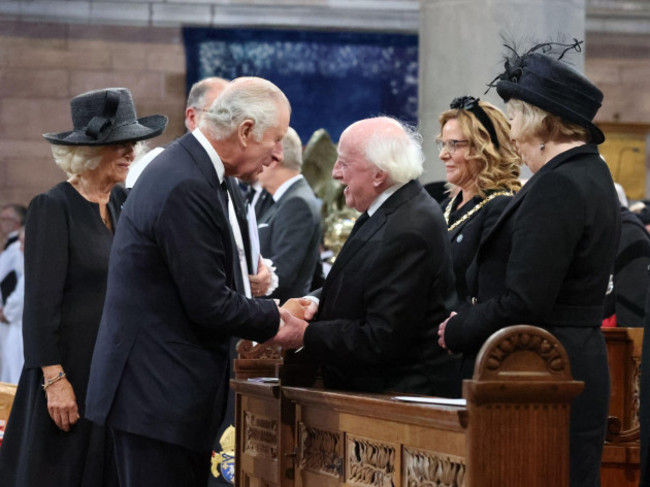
x: 513, y: 429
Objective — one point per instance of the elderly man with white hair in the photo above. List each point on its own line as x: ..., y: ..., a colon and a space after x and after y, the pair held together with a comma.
x: 375, y: 328
x: 159, y: 376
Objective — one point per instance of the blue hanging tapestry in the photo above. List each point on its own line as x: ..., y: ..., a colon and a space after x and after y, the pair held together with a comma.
x: 331, y: 78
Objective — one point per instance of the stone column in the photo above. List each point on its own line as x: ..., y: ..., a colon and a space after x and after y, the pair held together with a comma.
x: 461, y: 51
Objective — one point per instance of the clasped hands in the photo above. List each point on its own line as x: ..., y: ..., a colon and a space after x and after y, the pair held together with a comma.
x: 295, y: 314
x: 441, y: 330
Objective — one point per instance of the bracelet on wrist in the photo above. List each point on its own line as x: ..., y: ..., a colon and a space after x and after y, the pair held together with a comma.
x: 53, y: 380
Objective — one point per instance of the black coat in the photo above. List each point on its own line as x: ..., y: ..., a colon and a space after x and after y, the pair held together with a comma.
x: 628, y: 296
x: 390, y: 286
x: 547, y: 262
x: 66, y: 263
x: 161, y: 366
x: 467, y: 236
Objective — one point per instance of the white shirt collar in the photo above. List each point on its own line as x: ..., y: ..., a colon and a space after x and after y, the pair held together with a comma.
x: 284, y: 187
x: 388, y: 192
x: 212, y: 153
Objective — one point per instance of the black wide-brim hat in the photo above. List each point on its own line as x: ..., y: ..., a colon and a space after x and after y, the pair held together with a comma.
x: 556, y: 87
x: 105, y: 117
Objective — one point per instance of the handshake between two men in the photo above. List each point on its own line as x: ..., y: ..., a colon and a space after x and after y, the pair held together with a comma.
x: 295, y: 314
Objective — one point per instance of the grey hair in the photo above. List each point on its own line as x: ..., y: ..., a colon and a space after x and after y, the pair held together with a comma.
x: 292, y: 150
x: 77, y: 159
x: 397, y: 152
x: 245, y: 98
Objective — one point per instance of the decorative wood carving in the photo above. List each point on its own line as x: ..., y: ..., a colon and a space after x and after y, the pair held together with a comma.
x: 250, y: 350
x: 636, y: 390
x: 432, y: 469
x: 260, y: 435
x: 370, y: 462
x: 515, y: 339
x: 320, y: 451
x: 616, y: 434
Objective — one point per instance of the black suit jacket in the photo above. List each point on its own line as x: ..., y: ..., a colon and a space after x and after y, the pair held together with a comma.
x: 390, y: 286
x: 160, y: 366
x: 467, y: 236
x: 290, y: 232
x: 548, y: 258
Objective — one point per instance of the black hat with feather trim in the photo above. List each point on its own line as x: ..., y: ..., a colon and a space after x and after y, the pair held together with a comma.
x: 552, y: 85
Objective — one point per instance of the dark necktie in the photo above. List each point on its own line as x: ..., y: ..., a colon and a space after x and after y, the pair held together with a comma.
x: 359, y: 223
x: 250, y: 194
x: 224, y: 187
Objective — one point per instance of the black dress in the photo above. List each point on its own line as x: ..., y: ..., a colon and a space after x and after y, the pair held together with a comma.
x: 66, y: 263
x: 466, y: 233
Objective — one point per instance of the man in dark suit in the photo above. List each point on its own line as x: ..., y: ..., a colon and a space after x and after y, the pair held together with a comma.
x: 159, y: 375
x: 290, y: 230
x: 375, y: 328
x: 257, y: 277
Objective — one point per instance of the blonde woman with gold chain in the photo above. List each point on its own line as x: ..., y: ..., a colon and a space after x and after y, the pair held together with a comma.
x: 482, y: 176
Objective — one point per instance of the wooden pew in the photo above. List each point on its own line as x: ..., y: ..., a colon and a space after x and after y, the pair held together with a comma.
x: 620, y: 466
x: 513, y: 430
x: 7, y: 393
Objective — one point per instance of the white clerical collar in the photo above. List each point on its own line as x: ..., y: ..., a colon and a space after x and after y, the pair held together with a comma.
x: 284, y: 187
x: 212, y: 153
x: 388, y: 192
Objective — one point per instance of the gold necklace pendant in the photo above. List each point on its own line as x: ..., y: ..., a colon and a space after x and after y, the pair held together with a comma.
x: 471, y: 212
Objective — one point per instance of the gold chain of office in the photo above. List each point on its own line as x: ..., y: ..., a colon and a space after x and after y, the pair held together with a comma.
x: 473, y: 211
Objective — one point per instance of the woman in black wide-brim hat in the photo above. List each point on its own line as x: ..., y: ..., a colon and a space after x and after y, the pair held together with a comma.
x: 548, y: 259
x: 69, y: 231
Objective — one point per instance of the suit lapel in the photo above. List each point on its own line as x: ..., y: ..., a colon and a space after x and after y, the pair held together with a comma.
x: 274, y: 209
x: 201, y: 159
x: 376, y: 221
x: 356, y: 243
x: 268, y: 214
x: 452, y: 234
x: 205, y: 166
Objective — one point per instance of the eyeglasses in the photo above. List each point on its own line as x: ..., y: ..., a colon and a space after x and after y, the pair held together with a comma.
x: 450, y: 145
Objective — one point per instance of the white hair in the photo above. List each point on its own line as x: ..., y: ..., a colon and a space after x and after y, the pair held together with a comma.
x: 397, y: 152
x: 246, y: 98
x: 292, y: 150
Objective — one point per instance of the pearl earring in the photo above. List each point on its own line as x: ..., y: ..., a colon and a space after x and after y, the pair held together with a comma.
x: 542, y: 147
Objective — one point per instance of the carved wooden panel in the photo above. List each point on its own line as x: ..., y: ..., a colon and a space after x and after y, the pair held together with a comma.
x: 424, y: 468
x: 260, y: 435
x: 251, y: 350
x: 370, y: 462
x: 320, y: 450
x: 636, y: 384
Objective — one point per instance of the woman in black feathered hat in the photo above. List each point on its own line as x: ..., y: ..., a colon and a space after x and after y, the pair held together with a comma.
x: 548, y: 260
x: 69, y: 231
